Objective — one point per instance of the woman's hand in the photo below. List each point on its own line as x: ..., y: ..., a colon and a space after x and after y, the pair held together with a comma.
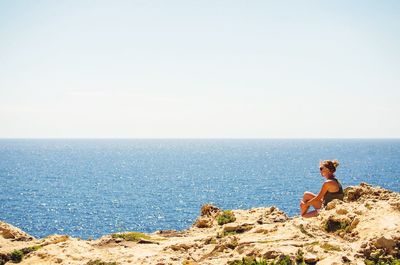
x: 302, y: 203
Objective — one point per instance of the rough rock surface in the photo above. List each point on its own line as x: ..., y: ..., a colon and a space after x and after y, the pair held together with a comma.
x: 364, y: 227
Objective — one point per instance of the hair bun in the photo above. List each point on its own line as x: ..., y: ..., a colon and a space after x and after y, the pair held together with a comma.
x: 335, y: 163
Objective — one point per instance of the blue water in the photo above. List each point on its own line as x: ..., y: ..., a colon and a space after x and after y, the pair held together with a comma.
x: 88, y: 188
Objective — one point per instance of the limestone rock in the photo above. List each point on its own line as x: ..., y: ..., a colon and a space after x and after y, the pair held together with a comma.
x: 354, y: 223
x: 341, y: 210
x: 238, y: 228
x: 271, y: 254
x: 8, y: 231
x: 203, y: 222
x: 310, y: 258
x: 209, y: 210
x: 385, y: 242
x: 332, y: 204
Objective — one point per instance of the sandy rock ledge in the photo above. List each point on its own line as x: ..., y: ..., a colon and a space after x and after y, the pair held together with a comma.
x: 363, y: 229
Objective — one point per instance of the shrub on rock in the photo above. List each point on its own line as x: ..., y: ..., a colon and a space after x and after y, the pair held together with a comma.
x: 225, y: 217
x: 16, y: 256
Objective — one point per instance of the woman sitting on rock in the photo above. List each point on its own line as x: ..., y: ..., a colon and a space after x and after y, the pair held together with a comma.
x: 331, y: 189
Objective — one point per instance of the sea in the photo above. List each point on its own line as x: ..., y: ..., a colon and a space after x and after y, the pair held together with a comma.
x: 87, y: 188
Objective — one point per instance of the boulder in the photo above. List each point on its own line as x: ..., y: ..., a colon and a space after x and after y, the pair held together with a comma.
x: 310, y: 258
x: 209, y: 210
x: 385, y: 242
x: 8, y: 231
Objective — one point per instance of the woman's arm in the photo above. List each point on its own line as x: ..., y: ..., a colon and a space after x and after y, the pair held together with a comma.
x: 320, y: 195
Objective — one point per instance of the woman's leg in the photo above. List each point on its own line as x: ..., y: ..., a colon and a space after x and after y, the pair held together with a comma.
x: 311, y: 214
x: 303, y: 208
x: 306, y: 197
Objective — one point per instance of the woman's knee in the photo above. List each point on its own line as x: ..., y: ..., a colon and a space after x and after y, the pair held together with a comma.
x: 308, y: 196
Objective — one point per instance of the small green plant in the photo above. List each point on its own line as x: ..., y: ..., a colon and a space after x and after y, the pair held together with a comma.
x: 230, y: 233
x: 100, y: 262
x: 382, y: 261
x: 16, y: 256
x: 249, y: 261
x: 368, y: 262
x: 300, y: 257
x: 30, y: 249
x: 131, y: 236
x: 329, y: 247
x: 285, y: 260
x: 225, y: 217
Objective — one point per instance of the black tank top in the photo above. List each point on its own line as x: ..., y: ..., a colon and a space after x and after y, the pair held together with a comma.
x: 330, y: 196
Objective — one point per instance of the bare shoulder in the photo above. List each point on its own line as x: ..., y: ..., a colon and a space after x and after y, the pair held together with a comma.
x: 331, y: 185
x: 326, y: 184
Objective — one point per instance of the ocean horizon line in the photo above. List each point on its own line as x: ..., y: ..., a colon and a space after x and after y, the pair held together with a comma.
x: 198, y: 138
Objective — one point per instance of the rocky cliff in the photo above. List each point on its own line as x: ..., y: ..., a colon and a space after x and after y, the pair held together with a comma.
x: 363, y: 229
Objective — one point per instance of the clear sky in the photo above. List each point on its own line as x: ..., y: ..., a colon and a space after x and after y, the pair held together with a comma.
x: 200, y: 69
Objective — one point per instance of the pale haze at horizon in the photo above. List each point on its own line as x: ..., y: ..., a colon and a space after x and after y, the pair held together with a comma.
x: 199, y: 69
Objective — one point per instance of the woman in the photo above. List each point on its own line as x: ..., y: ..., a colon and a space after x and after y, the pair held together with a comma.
x: 331, y: 189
